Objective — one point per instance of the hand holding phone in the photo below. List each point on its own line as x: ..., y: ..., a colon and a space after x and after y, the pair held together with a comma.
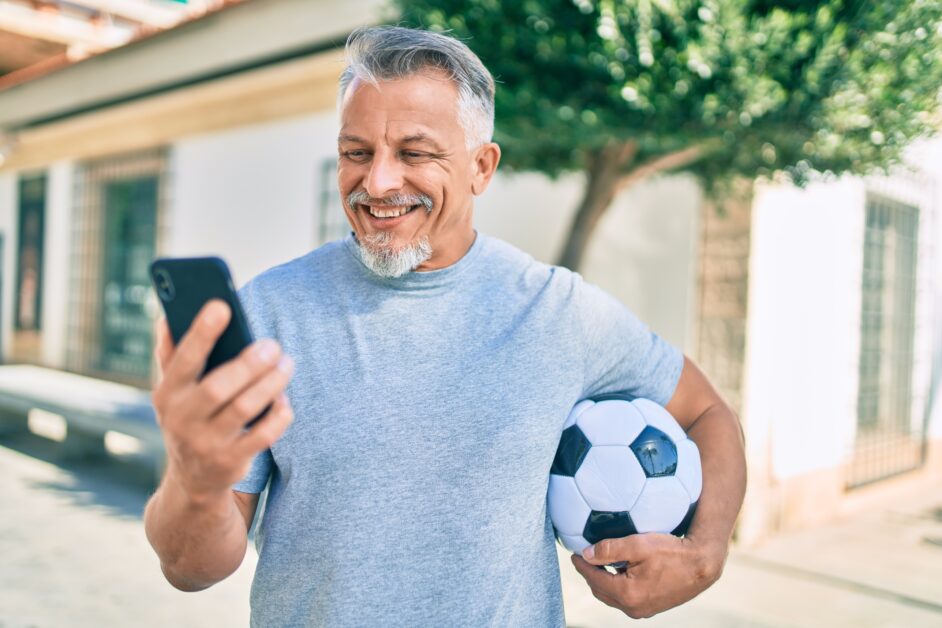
x: 213, y: 384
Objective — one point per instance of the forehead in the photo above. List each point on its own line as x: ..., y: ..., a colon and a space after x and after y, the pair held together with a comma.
x: 421, y: 103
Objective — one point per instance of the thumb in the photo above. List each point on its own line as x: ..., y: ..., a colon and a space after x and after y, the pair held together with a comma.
x: 627, y: 548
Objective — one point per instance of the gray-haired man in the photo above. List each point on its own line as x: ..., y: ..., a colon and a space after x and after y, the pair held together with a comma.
x: 435, y: 367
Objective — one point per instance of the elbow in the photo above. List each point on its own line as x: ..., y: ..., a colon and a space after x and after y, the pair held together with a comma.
x: 185, y: 583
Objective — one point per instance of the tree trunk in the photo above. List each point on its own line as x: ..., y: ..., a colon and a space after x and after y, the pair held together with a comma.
x: 606, y: 168
x: 607, y: 175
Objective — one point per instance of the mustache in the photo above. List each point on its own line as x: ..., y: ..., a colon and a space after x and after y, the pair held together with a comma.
x: 362, y: 198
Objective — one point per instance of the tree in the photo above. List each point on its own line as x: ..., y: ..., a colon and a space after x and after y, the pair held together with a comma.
x: 624, y: 90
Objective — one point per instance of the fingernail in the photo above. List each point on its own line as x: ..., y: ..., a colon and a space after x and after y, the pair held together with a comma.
x: 589, y: 552
x: 286, y: 364
x: 265, y: 349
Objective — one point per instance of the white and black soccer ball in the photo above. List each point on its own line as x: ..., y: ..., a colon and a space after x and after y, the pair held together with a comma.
x: 624, y: 466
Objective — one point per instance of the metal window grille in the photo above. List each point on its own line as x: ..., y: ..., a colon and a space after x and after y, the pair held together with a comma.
x: 27, y: 309
x: 331, y: 220
x: 111, y: 305
x: 890, y: 439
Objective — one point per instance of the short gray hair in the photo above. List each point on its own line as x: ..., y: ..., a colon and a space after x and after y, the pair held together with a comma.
x: 383, y: 53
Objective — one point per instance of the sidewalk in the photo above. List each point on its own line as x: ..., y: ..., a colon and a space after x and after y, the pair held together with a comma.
x: 881, y: 569
x: 74, y: 554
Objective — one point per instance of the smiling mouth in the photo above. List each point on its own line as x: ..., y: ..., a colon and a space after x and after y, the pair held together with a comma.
x: 385, y: 211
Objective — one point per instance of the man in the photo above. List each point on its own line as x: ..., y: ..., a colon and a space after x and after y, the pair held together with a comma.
x: 435, y: 367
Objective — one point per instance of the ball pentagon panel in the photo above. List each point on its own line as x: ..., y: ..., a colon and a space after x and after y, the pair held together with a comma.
x: 608, y: 525
x: 656, y: 452
x: 573, y: 447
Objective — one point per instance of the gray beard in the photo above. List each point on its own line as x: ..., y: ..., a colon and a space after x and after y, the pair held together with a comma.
x: 377, y: 254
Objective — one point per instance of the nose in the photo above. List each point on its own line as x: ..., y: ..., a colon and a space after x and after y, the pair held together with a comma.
x: 385, y: 175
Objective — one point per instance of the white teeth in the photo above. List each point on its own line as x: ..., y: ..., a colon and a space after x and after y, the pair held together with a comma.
x: 390, y: 212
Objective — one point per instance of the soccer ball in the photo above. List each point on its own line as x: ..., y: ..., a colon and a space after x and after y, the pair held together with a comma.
x: 623, y: 467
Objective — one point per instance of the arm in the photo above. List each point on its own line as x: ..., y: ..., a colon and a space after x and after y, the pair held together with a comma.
x: 199, y: 544
x: 195, y: 522
x: 665, y: 571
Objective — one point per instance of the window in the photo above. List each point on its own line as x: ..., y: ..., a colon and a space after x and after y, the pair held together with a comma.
x: 116, y: 229
x: 27, y: 312
x: 331, y: 220
x: 888, y: 441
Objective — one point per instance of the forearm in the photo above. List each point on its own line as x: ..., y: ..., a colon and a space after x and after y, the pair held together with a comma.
x: 200, y: 542
x: 719, y: 438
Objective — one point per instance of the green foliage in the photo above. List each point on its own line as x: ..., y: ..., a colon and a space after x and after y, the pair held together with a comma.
x: 762, y: 86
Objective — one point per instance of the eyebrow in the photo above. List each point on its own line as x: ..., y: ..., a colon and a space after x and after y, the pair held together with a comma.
x: 422, y: 137
x: 417, y: 137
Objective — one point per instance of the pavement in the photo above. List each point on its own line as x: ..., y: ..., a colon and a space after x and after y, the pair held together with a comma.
x: 74, y: 554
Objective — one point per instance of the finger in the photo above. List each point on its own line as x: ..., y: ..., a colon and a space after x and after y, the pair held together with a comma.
x: 251, y: 401
x: 600, y: 580
x: 221, y: 386
x: 607, y: 551
x: 189, y: 359
x: 163, y: 345
x: 269, y: 429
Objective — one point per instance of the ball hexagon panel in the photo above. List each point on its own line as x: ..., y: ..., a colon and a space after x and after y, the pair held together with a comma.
x: 656, y: 416
x: 610, y: 478
x: 568, y: 509
x: 662, y: 505
x: 573, y: 447
x: 656, y: 452
x: 688, y: 468
x: 608, y: 525
x: 611, y: 423
x: 577, y: 410
x: 575, y: 543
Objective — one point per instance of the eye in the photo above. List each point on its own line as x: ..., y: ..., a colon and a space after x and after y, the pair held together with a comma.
x: 413, y: 155
x: 356, y: 155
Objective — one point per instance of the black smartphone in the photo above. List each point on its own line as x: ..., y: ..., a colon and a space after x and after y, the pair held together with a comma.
x: 184, y: 285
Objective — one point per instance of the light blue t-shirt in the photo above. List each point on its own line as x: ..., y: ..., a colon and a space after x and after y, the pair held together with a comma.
x: 411, y: 488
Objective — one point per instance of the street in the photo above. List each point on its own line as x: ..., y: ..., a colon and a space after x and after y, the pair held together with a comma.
x: 74, y: 554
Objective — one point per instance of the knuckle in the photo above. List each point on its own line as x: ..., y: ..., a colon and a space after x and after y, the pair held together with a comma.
x: 214, y: 391
x: 244, y: 407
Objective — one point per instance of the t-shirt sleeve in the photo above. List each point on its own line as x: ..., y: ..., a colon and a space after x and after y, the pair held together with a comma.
x: 623, y: 356
x: 262, y: 465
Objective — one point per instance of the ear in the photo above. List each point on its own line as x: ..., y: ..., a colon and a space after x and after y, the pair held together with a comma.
x: 484, y: 164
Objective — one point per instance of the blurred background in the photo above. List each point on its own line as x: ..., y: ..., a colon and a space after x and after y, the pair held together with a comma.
x: 756, y: 180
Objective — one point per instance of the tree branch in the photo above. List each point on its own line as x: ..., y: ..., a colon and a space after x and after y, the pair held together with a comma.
x: 661, y: 163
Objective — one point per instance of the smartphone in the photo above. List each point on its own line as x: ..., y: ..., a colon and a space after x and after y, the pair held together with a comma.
x: 184, y: 285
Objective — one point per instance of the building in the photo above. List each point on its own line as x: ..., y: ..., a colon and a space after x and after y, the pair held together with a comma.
x: 813, y: 310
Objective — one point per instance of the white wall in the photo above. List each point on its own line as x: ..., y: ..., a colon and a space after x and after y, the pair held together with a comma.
x: 8, y: 224
x: 56, y: 260
x: 644, y: 250
x: 252, y: 196
x: 804, y: 324
x: 249, y: 195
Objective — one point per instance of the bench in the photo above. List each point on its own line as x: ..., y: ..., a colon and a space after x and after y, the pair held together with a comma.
x: 91, y: 407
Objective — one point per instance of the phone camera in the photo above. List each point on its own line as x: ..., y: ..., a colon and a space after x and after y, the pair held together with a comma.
x: 164, y: 285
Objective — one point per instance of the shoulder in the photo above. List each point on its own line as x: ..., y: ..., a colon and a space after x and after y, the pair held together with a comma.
x: 508, y: 263
x: 303, y: 271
